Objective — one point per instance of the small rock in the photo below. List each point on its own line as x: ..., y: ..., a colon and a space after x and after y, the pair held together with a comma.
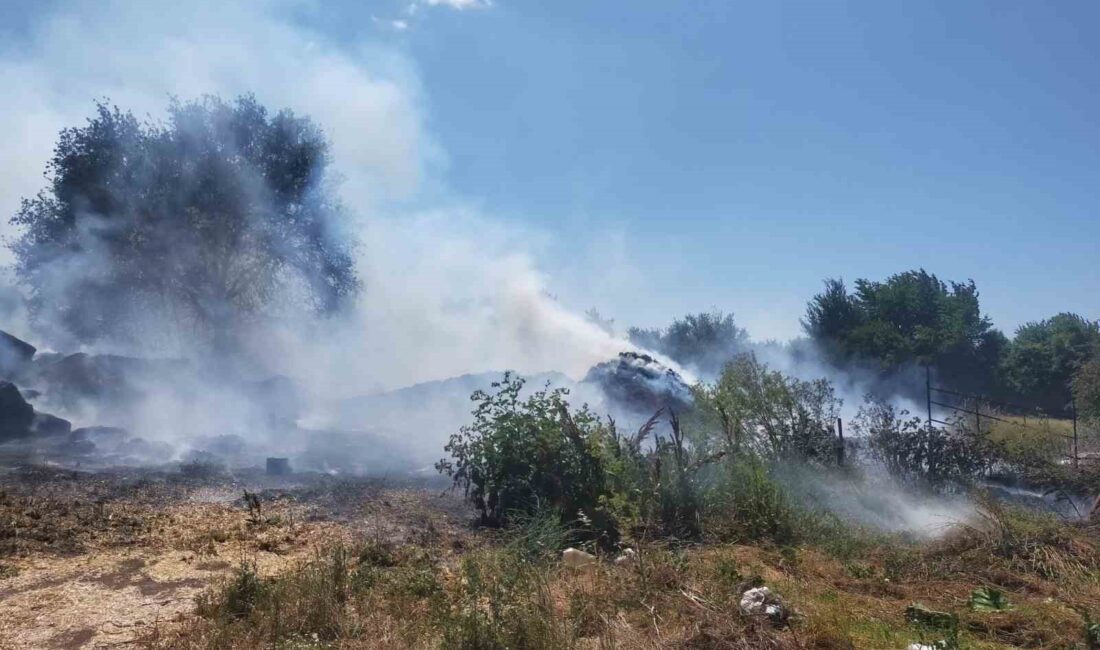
x: 627, y: 557
x: 577, y: 559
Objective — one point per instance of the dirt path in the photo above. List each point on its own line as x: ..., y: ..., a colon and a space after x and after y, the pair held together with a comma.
x: 97, y: 561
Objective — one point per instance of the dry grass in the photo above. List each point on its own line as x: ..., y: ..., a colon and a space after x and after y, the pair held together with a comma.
x: 96, y: 560
x: 1031, y: 439
x: 332, y: 564
x: 427, y: 596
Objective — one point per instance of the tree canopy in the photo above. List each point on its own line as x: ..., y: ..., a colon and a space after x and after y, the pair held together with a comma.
x: 704, y: 341
x: 1086, y: 390
x: 1045, y: 356
x: 910, y: 318
x: 206, y: 218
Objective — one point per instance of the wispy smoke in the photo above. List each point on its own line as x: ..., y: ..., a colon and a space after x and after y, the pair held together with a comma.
x: 447, y: 290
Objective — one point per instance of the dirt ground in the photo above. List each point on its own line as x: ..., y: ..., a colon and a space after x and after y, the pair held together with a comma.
x: 95, y: 560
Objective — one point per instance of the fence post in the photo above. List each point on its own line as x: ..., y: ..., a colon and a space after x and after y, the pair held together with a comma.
x: 840, y: 442
x: 1073, y: 406
x: 928, y: 393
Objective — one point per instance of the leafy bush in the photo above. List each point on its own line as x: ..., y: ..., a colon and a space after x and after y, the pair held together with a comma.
x: 523, y: 456
x: 749, y: 505
x: 752, y: 408
x: 933, y: 457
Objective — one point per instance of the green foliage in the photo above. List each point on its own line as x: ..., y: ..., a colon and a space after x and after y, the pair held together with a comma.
x: 1092, y: 634
x: 206, y: 218
x: 655, y: 491
x: 564, y: 475
x: 755, y: 409
x: 704, y: 341
x: 524, y: 456
x: 537, y: 538
x: 910, y: 318
x: 932, y: 457
x: 832, y: 314
x: 1045, y: 355
x: 239, y: 597
x: 988, y: 599
x: 749, y: 505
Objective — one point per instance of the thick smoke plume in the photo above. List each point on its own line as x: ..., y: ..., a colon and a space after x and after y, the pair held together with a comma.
x: 446, y: 290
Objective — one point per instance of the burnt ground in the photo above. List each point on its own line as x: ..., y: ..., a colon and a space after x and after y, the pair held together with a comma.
x: 95, y: 560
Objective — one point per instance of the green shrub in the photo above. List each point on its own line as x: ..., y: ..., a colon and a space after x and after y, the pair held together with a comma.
x: 932, y: 457
x: 523, y: 456
x: 749, y: 505
x: 238, y: 598
x: 753, y: 409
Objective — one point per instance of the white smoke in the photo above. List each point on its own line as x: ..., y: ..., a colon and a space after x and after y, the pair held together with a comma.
x: 447, y: 290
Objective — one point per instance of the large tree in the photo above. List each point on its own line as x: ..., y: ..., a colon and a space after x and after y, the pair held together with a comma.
x: 206, y: 218
x: 909, y: 318
x: 1045, y: 356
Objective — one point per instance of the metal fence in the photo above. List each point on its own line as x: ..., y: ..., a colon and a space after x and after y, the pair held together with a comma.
x: 1082, y: 442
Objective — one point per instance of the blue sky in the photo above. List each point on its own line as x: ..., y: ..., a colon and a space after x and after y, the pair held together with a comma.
x: 749, y: 150
x: 736, y: 154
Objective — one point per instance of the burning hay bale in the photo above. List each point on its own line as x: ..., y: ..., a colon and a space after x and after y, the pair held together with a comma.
x: 638, y: 383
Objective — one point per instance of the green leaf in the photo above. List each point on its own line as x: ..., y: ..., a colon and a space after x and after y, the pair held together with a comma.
x: 988, y: 599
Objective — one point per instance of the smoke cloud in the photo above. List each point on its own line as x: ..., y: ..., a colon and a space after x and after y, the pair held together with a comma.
x: 447, y: 290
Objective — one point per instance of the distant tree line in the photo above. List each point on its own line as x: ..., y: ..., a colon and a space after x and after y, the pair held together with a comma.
x: 889, y: 328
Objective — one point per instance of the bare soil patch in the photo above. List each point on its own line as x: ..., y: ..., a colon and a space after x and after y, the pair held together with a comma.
x: 94, y: 560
